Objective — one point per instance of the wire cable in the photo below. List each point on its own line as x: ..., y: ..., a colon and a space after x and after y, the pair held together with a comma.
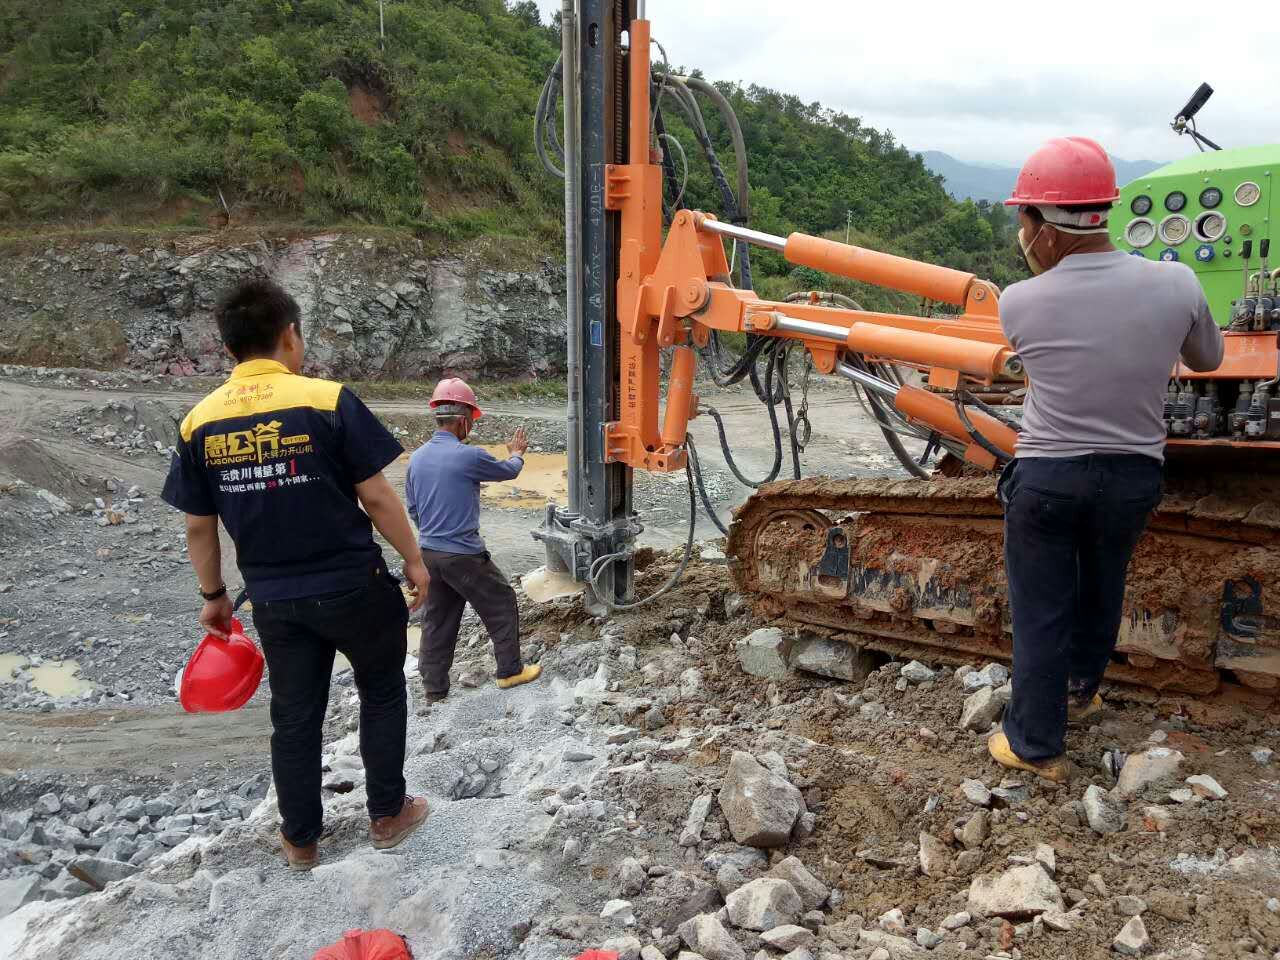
x: 702, y: 490
x: 593, y: 574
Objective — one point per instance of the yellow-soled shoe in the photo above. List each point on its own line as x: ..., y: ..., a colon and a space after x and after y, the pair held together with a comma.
x: 530, y: 673
x: 1079, y: 713
x: 1056, y: 769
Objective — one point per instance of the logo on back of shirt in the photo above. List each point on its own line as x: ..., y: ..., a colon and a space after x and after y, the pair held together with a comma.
x: 256, y: 445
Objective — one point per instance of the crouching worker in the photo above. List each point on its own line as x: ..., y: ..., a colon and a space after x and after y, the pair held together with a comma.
x: 443, y: 488
x: 287, y: 462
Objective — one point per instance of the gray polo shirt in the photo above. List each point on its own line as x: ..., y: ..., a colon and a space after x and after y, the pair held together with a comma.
x: 1100, y: 334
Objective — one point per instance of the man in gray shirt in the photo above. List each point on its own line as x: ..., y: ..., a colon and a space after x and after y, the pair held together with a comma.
x: 1100, y: 332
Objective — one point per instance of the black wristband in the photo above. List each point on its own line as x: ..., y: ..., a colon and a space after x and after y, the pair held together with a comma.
x: 220, y: 592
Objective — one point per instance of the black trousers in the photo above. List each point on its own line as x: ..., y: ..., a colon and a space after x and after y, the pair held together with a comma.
x: 1070, y: 528
x: 299, y: 638
x: 456, y: 580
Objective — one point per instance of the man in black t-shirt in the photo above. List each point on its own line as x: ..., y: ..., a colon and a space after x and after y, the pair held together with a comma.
x: 287, y: 462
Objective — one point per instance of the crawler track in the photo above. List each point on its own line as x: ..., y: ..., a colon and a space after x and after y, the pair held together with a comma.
x: 916, y: 568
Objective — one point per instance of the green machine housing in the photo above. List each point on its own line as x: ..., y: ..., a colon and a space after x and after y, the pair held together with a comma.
x: 1216, y: 212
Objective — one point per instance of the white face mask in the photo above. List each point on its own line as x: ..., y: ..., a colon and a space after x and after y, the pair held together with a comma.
x: 1033, y: 263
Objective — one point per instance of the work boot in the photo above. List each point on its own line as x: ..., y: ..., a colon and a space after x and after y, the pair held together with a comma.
x: 387, y: 832
x: 530, y: 673
x: 1078, y: 711
x: 301, y: 858
x: 1055, y: 769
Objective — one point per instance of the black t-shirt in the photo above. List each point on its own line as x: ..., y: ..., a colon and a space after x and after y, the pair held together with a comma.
x: 277, y: 457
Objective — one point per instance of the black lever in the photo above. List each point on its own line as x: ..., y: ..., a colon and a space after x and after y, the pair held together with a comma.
x: 1198, y: 100
x: 1264, y: 248
x: 1246, y: 249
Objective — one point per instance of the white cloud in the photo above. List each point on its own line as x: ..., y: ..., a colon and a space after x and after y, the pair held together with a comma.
x: 989, y: 81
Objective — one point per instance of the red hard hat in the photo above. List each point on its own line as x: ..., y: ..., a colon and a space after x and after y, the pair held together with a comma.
x: 222, y: 674
x: 366, y: 945
x: 1064, y: 172
x: 454, y: 390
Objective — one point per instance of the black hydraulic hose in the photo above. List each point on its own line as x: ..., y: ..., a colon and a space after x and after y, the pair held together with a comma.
x: 791, y: 416
x: 668, y: 163
x: 773, y: 423
x: 702, y: 490
x: 978, y: 438
x: 544, y: 121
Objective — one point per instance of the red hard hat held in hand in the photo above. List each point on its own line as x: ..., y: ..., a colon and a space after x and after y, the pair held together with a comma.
x: 222, y: 674
x: 455, y: 390
x: 1065, y: 172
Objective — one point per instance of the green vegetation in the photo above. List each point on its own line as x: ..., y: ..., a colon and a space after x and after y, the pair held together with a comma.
x: 189, y: 112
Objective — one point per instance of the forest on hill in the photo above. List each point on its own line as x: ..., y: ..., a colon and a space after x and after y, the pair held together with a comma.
x: 177, y: 112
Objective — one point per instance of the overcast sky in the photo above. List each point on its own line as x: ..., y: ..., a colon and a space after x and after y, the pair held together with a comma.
x: 988, y: 81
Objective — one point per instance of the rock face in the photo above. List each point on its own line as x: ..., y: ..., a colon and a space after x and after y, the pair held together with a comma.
x: 761, y: 806
x: 1016, y: 894
x: 764, y: 904
x: 763, y: 653
x: 370, y: 308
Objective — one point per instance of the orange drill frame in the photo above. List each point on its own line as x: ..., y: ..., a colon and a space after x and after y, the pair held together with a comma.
x: 674, y: 293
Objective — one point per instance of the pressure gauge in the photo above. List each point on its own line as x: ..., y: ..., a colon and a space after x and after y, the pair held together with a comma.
x: 1210, y: 227
x: 1210, y: 197
x: 1248, y: 193
x: 1175, y: 201
x: 1174, y: 229
x: 1141, y: 205
x: 1140, y: 232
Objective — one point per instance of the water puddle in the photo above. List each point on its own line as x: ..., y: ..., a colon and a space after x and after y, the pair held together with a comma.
x: 545, y: 477
x: 56, y: 678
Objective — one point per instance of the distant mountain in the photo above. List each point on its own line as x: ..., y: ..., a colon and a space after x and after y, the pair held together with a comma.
x: 989, y: 181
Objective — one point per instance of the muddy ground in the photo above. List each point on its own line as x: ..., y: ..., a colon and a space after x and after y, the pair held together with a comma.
x: 879, y: 760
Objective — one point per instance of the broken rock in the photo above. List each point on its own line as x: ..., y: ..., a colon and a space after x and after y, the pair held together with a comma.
x: 764, y: 904
x: 1132, y: 940
x: 706, y: 935
x: 1017, y: 894
x: 830, y: 658
x: 1203, y: 785
x: 1143, y: 769
x: 764, y: 653
x: 619, y: 911
x: 1103, y: 816
x: 981, y: 710
x: 686, y: 896
x: 976, y: 792
x: 632, y: 877
x: 696, y: 820
x: 18, y: 891
x: 761, y: 807
x: 813, y: 892
x: 789, y: 937
x: 917, y: 672
x: 935, y: 858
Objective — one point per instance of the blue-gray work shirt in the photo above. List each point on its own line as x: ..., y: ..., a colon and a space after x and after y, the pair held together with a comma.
x: 442, y: 490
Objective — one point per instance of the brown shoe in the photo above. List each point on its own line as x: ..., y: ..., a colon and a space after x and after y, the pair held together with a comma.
x: 387, y: 832
x: 300, y: 859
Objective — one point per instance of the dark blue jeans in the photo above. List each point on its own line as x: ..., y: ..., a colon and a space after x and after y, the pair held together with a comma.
x: 1070, y: 527
x: 299, y: 638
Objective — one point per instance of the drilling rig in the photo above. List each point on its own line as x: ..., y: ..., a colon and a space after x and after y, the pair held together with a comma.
x: 913, y: 566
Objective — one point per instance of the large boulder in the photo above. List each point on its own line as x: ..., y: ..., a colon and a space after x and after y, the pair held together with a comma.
x: 1017, y: 894
x: 761, y: 807
x: 18, y: 891
x: 678, y: 896
x: 764, y: 904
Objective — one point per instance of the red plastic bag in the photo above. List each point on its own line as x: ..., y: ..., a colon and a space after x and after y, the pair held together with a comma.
x: 366, y: 945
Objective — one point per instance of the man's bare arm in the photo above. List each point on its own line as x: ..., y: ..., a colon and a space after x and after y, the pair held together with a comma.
x: 205, y: 552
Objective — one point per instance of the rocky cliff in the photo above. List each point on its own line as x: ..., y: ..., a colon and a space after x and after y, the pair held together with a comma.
x: 372, y: 307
